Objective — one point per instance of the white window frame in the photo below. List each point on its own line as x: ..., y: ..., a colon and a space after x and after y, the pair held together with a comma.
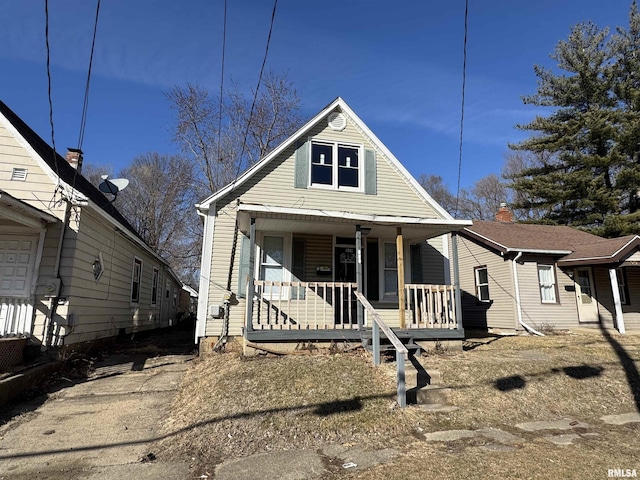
x: 154, y: 286
x: 286, y: 261
x: 622, y: 286
x: 480, y: 284
x: 335, y: 168
x: 136, y: 261
x: 552, y: 285
x: 384, y: 296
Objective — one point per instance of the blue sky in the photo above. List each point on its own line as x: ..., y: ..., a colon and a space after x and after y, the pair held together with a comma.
x: 397, y: 64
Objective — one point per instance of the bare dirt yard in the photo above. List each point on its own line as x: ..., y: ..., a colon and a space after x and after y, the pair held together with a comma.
x: 338, y: 406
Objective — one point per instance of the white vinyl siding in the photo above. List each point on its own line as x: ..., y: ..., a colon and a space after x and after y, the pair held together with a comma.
x: 501, y: 312
x: 547, y: 282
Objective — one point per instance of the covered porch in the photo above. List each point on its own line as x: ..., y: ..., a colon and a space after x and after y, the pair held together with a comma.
x: 301, y: 269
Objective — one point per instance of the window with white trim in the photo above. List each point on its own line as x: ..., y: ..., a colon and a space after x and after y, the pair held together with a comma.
x: 154, y: 286
x: 622, y: 286
x: 482, y: 284
x: 272, y: 261
x: 136, y: 278
x: 336, y: 165
x: 390, y: 271
x: 547, y: 282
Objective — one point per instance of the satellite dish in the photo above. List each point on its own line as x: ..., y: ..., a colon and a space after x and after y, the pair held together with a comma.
x: 113, y: 186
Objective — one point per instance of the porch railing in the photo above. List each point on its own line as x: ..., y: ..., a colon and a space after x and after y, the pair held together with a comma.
x: 15, y: 316
x: 304, y: 305
x: 401, y: 351
x: 431, y: 306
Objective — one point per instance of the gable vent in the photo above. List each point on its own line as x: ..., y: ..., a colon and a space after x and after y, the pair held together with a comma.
x: 19, y: 174
x: 337, y: 121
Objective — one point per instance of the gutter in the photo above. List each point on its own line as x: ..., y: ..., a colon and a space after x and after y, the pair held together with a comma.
x: 514, y: 263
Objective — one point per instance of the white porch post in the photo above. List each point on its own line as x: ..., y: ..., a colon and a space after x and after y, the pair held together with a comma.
x: 359, y: 282
x: 250, y: 281
x: 456, y: 278
x: 401, y: 296
x: 616, y: 301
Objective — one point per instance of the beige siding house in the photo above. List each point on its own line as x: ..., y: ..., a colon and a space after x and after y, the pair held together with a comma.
x: 72, y: 269
x: 528, y: 277
x: 329, y: 212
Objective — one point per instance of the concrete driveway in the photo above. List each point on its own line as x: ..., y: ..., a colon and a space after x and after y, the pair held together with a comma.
x: 103, y: 426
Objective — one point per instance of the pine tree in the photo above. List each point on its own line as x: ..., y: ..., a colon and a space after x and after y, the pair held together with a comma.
x: 591, y: 171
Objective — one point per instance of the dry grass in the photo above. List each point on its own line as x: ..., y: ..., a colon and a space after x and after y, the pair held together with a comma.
x: 231, y: 406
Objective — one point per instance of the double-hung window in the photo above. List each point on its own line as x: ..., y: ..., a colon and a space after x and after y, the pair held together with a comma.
x: 336, y: 165
x: 482, y: 284
x: 154, y: 286
x: 136, y: 276
x: 622, y: 286
x: 547, y: 281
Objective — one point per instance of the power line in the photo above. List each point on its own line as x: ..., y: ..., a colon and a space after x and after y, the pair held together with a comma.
x: 255, y: 94
x: 224, y: 42
x: 85, y: 105
x: 46, y: 37
x: 464, y: 81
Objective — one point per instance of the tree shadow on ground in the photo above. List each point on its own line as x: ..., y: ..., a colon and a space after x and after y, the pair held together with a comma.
x: 628, y: 364
x: 579, y: 372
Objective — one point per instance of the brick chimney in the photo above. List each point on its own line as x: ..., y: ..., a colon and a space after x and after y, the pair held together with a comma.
x: 504, y: 215
x: 74, y: 158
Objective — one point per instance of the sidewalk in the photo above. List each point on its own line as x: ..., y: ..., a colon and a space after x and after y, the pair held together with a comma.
x: 103, y: 426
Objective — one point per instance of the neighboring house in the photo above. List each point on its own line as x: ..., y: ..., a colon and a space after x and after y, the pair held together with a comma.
x: 328, y: 212
x: 97, y: 280
x: 547, y: 276
x: 188, y: 303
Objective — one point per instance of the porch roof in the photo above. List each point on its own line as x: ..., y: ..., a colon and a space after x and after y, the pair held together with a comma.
x: 606, y: 250
x: 342, y: 223
x: 21, y: 213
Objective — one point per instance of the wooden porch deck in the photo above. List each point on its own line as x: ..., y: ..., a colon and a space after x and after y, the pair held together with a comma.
x: 305, y: 311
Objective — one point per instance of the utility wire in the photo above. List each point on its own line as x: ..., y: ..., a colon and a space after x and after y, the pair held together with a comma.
x: 224, y: 42
x: 255, y: 94
x: 46, y: 37
x: 464, y: 81
x: 85, y: 105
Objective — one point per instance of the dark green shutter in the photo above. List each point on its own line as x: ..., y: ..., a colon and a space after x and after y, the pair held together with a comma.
x: 370, y: 173
x: 243, y: 271
x: 302, y: 166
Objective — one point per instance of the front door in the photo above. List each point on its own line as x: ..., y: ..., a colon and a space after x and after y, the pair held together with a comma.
x: 585, y: 296
x: 345, y: 271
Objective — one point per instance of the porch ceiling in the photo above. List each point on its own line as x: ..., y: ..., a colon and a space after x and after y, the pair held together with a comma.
x: 322, y: 222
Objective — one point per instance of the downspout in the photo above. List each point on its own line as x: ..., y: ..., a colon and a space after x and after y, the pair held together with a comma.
x: 517, y: 291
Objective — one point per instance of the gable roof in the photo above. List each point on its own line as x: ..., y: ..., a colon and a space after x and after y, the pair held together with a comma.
x: 61, y: 168
x: 58, y: 168
x: 337, y: 103
x: 575, y: 247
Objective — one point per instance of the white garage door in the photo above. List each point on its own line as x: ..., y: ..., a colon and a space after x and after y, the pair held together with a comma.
x: 17, y: 259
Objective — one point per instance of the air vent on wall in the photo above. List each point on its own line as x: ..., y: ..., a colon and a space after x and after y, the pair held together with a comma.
x: 337, y: 121
x: 19, y: 174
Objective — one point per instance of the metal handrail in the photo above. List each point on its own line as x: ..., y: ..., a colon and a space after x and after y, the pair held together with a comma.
x: 401, y: 351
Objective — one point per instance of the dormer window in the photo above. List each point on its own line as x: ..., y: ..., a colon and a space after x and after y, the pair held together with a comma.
x: 336, y: 166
